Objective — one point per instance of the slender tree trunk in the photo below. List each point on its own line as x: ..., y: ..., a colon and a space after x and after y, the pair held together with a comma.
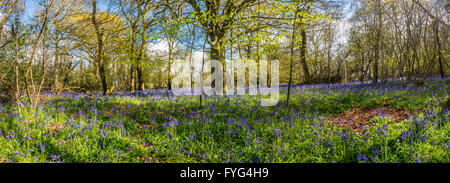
x: 132, y: 79
x: 133, y: 62
x: 231, y: 78
x: 84, y: 75
x: 303, y: 55
x: 377, y: 44
x: 329, y: 62
x: 140, y: 79
x: 345, y: 72
x: 291, y: 64
x: 99, y: 51
x: 438, y: 45
x: 17, y: 94
x: 56, y: 65
x: 201, y: 74
x: 169, y: 65
x: 191, y: 54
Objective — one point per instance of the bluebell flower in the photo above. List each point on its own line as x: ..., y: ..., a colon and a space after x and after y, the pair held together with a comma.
x: 42, y: 147
x: 54, y: 157
x: 358, y: 157
x: 191, y: 136
x: 418, y: 160
x: 230, y: 122
x: 100, y: 143
x: 403, y: 135
x: 365, y: 158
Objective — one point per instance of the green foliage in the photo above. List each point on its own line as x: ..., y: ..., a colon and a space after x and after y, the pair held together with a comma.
x: 232, y: 129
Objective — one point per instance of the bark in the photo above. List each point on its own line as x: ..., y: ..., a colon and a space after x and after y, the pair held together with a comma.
x: 217, y: 52
x: 169, y: 66
x: 439, y: 50
x: 139, y: 66
x: 191, y: 53
x: 133, y: 62
x: 56, y: 64
x: 329, y: 62
x: 99, y: 51
x: 291, y: 64
x: 132, y: 78
x: 377, y: 44
x: 84, y: 75
x: 141, y: 83
x: 303, y: 56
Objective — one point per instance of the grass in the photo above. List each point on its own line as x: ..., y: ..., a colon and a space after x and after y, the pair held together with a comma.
x: 140, y: 128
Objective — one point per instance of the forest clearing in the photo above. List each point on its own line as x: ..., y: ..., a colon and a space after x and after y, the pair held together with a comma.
x: 95, y: 81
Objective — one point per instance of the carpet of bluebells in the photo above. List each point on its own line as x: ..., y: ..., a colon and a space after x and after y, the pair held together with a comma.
x: 154, y: 127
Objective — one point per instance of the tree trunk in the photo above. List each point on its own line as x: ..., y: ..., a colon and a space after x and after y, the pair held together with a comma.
x: 84, y: 75
x: 139, y: 64
x: 217, y: 52
x: 56, y: 65
x: 102, y: 71
x: 291, y: 64
x: 438, y: 45
x: 169, y: 66
x: 377, y: 44
x: 139, y: 68
x: 303, y: 56
x: 329, y: 63
x: 99, y: 51
x: 133, y: 61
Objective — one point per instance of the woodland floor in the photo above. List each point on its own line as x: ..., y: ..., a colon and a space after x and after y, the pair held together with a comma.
x: 360, y: 119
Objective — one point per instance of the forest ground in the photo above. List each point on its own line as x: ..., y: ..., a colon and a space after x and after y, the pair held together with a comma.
x: 353, y: 122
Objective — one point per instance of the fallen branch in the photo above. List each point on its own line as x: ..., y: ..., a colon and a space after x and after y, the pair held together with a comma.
x: 75, y: 89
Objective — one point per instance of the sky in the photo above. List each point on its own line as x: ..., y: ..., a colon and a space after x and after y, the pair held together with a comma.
x: 31, y: 6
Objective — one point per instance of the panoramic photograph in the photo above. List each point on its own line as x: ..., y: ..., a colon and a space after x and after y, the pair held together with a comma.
x: 224, y: 81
